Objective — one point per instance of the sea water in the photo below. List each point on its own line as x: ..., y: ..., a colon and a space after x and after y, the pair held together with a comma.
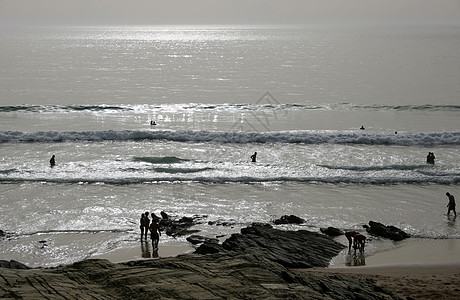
x: 296, y: 96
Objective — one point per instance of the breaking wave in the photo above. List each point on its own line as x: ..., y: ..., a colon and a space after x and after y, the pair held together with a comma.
x: 381, y: 180
x: 305, y: 137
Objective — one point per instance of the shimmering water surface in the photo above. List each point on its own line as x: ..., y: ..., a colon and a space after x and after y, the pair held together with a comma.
x: 297, y: 96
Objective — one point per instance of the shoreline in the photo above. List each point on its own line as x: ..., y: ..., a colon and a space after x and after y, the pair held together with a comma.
x: 412, y: 251
x: 261, y: 261
x: 408, y: 281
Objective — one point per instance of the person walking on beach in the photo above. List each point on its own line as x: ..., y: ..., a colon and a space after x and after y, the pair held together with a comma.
x: 253, y: 157
x: 52, y: 161
x: 451, y: 204
x: 155, y: 233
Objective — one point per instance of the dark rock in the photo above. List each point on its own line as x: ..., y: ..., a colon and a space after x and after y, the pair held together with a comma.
x: 253, y: 269
x: 388, y: 232
x: 214, y: 276
x: 222, y: 223
x: 164, y: 215
x: 209, y: 247
x: 289, y: 220
x: 331, y: 231
x: 179, y: 227
x: 198, y: 239
x: 12, y: 264
x: 293, y: 249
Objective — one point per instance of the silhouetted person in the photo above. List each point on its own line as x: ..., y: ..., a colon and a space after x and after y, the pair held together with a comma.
x: 362, y: 128
x: 430, y: 158
x: 359, y: 242
x: 145, y: 222
x: 451, y: 204
x: 253, y: 157
x: 52, y: 161
x: 153, y: 123
x: 155, y: 233
x: 349, y: 235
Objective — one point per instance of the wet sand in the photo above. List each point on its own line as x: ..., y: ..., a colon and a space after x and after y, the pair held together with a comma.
x: 416, y: 281
x: 415, y: 268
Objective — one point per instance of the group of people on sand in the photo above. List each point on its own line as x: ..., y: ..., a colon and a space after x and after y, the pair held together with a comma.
x: 153, y: 227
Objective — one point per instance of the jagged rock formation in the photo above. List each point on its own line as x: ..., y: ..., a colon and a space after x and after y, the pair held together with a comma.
x: 289, y: 220
x: 331, y: 231
x: 259, y: 263
x: 388, y: 232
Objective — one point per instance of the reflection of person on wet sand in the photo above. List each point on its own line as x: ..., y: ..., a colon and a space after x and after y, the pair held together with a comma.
x: 355, y: 260
x: 155, y: 233
x: 155, y: 253
x: 145, y: 250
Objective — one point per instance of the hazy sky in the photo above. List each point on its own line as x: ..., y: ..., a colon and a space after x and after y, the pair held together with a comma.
x: 230, y: 11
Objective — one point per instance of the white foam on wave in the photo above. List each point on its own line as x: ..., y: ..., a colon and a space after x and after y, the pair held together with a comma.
x: 307, y: 137
x: 174, y: 178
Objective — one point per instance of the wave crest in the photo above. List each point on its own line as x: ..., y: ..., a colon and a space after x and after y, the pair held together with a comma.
x: 306, y: 137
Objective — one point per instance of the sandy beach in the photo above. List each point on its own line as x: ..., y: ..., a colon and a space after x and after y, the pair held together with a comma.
x: 414, y: 269
x: 413, y: 251
x: 271, y: 263
x: 410, y: 281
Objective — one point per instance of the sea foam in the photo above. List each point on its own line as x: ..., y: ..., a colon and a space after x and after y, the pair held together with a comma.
x: 306, y: 137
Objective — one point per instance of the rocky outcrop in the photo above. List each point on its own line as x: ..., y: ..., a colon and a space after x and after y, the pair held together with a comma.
x: 180, y: 227
x: 292, y: 249
x: 12, y: 264
x: 289, y: 220
x: 258, y: 263
x: 199, y: 239
x: 217, y: 276
x: 388, y: 232
x: 331, y: 231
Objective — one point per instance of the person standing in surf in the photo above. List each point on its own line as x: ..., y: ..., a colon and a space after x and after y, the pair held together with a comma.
x: 253, y: 157
x: 52, y: 161
x: 451, y: 204
x: 430, y: 158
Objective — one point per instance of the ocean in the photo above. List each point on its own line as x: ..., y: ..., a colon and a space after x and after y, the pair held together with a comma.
x: 217, y: 94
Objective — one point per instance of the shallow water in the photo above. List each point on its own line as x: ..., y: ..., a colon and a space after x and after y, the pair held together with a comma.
x: 87, y: 95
